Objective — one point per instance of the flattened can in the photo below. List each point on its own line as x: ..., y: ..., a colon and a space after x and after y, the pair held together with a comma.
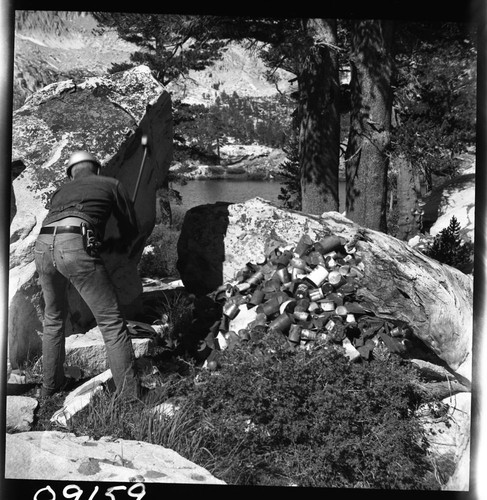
x: 257, y: 297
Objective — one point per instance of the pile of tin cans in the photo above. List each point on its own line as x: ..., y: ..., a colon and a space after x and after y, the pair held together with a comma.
x: 307, y: 293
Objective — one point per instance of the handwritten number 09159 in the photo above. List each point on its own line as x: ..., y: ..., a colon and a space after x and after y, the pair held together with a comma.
x: 73, y: 491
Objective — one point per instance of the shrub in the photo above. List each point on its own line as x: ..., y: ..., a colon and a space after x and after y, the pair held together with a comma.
x: 449, y: 248
x: 275, y: 416
x: 312, y: 419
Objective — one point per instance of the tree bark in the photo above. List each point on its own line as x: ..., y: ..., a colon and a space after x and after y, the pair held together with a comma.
x: 319, y: 136
x: 370, y: 123
x: 408, y: 190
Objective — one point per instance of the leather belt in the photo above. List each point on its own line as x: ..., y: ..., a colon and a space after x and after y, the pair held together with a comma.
x: 60, y: 229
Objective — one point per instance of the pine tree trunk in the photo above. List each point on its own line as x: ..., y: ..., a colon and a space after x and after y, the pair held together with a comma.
x: 319, y: 136
x: 408, y: 189
x: 366, y: 158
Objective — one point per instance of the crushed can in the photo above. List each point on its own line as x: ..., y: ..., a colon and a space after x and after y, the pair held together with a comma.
x: 316, y: 294
x: 257, y: 297
x: 283, y: 275
x: 298, y: 263
x: 328, y: 305
x: 303, y: 245
x: 287, y: 306
x: 328, y: 244
x: 231, y: 310
x: 282, y: 323
x: 308, y: 334
x: 269, y: 307
x: 301, y: 291
x: 336, y: 279
x: 295, y: 333
x: 317, y: 276
x: 256, y: 278
x: 315, y: 258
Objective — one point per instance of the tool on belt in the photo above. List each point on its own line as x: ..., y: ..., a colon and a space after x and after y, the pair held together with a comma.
x: 90, y: 242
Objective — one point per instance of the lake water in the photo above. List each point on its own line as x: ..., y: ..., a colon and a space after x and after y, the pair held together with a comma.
x: 202, y: 192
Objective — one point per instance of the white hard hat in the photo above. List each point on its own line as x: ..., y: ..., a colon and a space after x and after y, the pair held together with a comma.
x: 78, y: 157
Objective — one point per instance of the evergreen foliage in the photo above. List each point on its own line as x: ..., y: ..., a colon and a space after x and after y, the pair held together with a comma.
x: 201, y: 130
x: 435, y: 98
x: 275, y: 416
x: 289, y: 170
x: 449, y: 248
x: 312, y: 418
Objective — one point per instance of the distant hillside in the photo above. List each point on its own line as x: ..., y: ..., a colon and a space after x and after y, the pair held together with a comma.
x: 51, y: 46
x: 239, y: 71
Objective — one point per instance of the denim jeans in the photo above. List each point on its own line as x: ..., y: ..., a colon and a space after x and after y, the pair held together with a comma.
x: 61, y: 259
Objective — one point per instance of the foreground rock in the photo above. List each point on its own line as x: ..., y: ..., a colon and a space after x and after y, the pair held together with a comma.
x: 449, y: 439
x: 107, y: 116
x: 87, y: 350
x: 398, y: 283
x: 20, y: 413
x: 61, y: 456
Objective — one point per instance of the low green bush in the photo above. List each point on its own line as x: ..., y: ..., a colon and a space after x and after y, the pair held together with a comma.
x: 449, y: 248
x: 312, y: 418
x: 274, y: 416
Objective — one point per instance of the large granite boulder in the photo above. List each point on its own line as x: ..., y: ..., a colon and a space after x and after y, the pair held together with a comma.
x: 398, y: 282
x: 59, y: 456
x: 107, y: 116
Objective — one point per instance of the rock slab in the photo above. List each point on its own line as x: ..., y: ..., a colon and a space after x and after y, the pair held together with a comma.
x: 62, y: 456
x: 107, y: 116
x: 20, y: 413
x: 435, y: 300
x: 88, y: 352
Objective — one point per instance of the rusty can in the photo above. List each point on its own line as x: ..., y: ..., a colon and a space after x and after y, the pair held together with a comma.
x: 316, y: 294
x: 298, y: 263
x: 328, y: 244
x: 287, y: 306
x: 301, y: 315
x: 315, y: 258
x: 281, y: 323
x: 328, y: 305
x: 256, y: 278
x: 307, y: 334
x: 269, y: 307
x: 244, y: 334
x: 335, y: 278
x: 284, y: 258
x: 301, y: 291
x: 294, y: 333
x: 283, y: 275
x: 231, y: 310
x: 313, y: 306
x: 257, y: 297
x: 318, y: 275
x: 303, y: 245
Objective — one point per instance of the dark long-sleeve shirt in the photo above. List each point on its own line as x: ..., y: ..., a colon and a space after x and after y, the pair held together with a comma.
x: 94, y: 198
